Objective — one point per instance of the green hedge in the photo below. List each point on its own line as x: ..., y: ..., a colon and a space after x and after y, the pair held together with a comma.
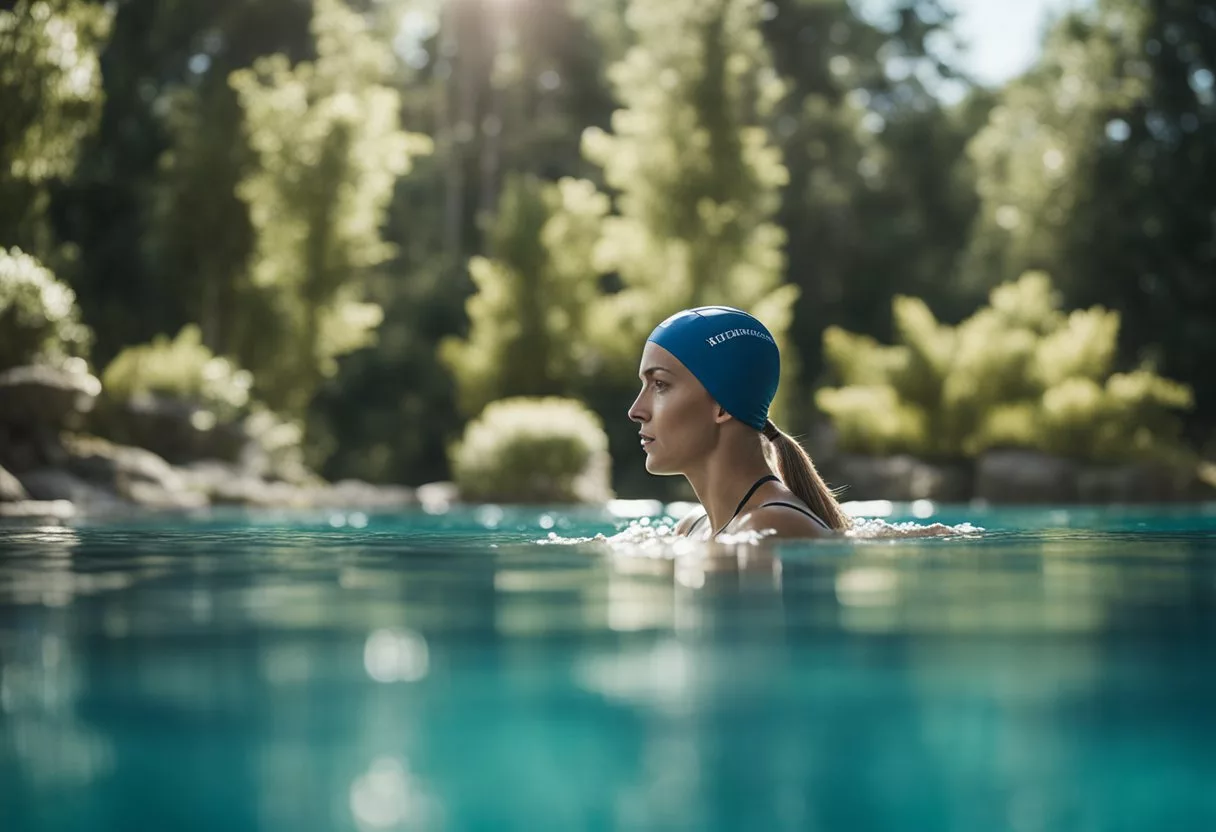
x: 180, y: 368
x: 1018, y: 373
x: 39, y: 319
x: 533, y: 450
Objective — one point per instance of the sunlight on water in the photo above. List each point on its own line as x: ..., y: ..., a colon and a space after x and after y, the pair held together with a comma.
x: 1010, y: 667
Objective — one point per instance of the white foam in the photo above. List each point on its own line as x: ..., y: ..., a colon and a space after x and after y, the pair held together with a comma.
x: 657, y: 539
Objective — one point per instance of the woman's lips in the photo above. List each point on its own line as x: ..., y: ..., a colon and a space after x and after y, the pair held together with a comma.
x: 646, y: 440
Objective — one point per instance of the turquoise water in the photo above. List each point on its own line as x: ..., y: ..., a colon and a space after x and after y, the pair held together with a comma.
x: 343, y: 672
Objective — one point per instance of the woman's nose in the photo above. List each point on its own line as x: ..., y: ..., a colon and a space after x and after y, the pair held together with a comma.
x: 637, y: 412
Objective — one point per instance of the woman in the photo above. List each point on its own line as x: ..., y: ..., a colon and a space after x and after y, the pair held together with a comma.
x: 708, y: 377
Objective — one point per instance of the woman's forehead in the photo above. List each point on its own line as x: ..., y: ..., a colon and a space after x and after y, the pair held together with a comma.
x: 658, y: 359
x: 655, y: 357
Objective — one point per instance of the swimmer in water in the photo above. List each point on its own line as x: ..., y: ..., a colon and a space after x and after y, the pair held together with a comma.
x: 708, y: 377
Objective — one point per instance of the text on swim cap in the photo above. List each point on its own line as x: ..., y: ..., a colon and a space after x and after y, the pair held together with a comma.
x: 726, y: 335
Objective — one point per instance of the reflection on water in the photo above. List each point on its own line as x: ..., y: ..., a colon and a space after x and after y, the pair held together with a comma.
x: 443, y: 671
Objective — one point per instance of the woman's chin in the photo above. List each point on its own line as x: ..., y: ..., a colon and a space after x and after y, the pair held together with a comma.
x: 656, y: 466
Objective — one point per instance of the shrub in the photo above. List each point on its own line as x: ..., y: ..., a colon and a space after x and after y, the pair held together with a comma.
x: 1018, y: 373
x: 533, y: 450
x: 39, y: 319
x: 182, y: 368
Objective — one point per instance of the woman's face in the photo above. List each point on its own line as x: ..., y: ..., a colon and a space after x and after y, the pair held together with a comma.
x: 675, y: 414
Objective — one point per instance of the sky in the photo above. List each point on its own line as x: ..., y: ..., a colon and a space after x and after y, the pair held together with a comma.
x: 1004, y: 35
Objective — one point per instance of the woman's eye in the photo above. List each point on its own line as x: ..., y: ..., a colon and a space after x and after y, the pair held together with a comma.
x: 660, y: 385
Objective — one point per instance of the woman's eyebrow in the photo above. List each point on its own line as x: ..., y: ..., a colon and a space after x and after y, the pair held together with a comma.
x: 656, y: 368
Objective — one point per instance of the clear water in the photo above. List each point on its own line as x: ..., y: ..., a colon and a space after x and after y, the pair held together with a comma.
x: 348, y: 672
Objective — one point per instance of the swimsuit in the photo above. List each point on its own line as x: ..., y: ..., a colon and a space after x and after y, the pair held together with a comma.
x: 748, y: 496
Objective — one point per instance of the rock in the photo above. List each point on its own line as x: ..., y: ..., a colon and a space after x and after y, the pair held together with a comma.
x: 45, y: 396
x: 53, y: 484
x: 823, y: 444
x: 28, y: 447
x: 133, y: 474
x: 101, y: 461
x: 1133, y: 483
x: 178, y: 431
x: 901, y: 478
x: 1016, y: 476
x: 11, y: 490
x: 226, y: 484
x: 39, y: 509
x: 356, y: 494
x: 151, y: 495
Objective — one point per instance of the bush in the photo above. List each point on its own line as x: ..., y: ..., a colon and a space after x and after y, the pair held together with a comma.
x: 39, y: 319
x: 1018, y: 373
x: 533, y: 450
x: 182, y: 368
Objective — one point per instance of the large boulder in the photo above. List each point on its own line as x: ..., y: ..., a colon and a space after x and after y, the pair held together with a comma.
x: 52, y: 484
x: 99, y: 460
x: 38, y: 511
x: 901, y: 478
x: 11, y: 490
x: 45, y: 396
x: 228, y: 484
x: 1018, y: 476
x: 177, y: 430
x: 356, y: 494
x: 1134, y: 483
x: 134, y: 474
x: 28, y: 447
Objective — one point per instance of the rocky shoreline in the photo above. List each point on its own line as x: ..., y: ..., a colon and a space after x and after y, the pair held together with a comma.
x: 52, y: 463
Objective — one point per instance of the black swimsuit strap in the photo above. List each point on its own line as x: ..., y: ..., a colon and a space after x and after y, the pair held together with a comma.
x: 809, y: 514
x: 742, y: 503
x: 748, y: 496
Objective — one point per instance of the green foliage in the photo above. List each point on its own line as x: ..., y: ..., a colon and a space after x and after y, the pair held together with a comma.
x: 881, y: 195
x: 534, y: 295
x: 329, y: 148
x: 1099, y: 165
x: 533, y: 450
x: 39, y: 320
x: 696, y: 175
x: 1017, y: 373
x: 50, y: 97
x: 200, y: 230
x: 181, y: 368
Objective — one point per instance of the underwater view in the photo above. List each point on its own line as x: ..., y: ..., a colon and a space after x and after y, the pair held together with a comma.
x: 520, y: 668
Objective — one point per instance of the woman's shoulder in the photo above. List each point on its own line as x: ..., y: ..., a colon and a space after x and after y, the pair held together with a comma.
x: 784, y: 519
x: 689, y: 520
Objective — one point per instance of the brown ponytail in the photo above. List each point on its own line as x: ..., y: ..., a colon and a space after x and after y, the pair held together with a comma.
x: 799, y: 475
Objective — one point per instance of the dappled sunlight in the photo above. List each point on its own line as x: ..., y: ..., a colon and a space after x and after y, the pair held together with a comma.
x: 396, y: 656
x: 323, y: 503
x: 388, y: 796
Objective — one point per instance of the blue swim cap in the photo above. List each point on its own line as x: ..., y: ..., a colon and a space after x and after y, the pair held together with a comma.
x: 731, y: 353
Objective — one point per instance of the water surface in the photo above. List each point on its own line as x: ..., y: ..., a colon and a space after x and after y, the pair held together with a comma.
x: 349, y: 671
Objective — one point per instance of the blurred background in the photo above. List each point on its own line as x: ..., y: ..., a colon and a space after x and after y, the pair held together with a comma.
x: 984, y: 233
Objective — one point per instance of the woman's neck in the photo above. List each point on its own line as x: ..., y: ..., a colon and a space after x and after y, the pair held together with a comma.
x: 727, y: 473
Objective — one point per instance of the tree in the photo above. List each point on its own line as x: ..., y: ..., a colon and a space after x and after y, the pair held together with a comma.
x: 1099, y: 166
x: 329, y: 147
x: 501, y: 87
x: 50, y: 100
x: 152, y: 207
x: 880, y: 197
x: 695, y: 178
x: 535, y: 293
